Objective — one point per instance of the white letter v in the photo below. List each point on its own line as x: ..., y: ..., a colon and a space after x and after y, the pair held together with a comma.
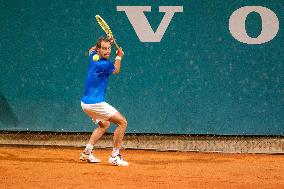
x: 141, y: 25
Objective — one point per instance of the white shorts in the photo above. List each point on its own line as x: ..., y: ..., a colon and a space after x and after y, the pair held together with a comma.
x: 98, y: 112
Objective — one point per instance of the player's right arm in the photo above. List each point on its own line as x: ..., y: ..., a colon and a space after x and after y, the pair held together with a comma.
x: 117, y: 62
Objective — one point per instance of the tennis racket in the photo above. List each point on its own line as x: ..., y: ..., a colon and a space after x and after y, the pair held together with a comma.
x: 106, y: 29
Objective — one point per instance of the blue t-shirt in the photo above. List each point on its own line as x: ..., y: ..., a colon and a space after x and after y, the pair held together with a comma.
x: 96, y: 81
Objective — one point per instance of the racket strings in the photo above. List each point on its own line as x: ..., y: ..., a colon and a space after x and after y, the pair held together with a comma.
x: 104, y: 25
x: 106, y: 29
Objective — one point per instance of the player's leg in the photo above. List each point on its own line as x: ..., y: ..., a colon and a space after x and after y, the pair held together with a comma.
x: 99, y: 131
x: 87, y: 154
x: 119, y: 132
x: 121, y: 124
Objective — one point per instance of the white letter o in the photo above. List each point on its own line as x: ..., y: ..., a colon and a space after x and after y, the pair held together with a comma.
x: 270, y: 24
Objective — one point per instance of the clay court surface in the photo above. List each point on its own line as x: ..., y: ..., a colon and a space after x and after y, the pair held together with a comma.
x: 27, y: 167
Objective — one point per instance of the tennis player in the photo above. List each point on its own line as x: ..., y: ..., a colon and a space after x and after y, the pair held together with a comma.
x: 94, y: 105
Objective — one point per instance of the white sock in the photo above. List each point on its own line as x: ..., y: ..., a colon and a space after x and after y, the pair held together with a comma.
x: 89, y: 148
x: 115, y: 152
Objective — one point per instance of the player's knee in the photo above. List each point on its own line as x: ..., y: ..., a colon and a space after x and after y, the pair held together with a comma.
x: 105, y: 125
x: 125, y: 122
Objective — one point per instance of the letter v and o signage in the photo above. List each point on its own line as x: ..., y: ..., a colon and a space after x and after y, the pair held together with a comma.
x: 143, y: 29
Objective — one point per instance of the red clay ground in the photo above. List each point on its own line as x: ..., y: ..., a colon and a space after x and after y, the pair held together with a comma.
x: 26, y: 167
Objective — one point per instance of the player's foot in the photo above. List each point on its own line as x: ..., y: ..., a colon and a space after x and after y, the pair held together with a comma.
x: 117, y: 160
x: 90, y: 158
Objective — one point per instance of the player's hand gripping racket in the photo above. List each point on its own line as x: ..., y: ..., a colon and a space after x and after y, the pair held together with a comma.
x: 107, y: 29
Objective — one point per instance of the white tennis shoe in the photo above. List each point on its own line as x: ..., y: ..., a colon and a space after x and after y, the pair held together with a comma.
x: 90, y: 158
x: 117, y: 161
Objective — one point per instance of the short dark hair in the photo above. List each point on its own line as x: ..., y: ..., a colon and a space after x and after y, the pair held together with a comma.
x: 100, y: 40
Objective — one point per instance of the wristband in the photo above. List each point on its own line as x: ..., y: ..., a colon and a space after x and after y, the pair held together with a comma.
x: 118, y: 58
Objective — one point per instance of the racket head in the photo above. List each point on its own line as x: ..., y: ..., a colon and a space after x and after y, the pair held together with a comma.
x: 106, y: 29
x: 104, y: 25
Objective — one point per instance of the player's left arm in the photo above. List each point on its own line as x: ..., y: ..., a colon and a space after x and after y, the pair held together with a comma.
x: 117, y: 62
x: 92, y: 49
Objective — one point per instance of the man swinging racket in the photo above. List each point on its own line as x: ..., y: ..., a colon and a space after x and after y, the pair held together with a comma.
x: 94, y: 105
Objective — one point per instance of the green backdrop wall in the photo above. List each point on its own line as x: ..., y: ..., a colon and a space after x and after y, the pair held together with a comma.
x: 198, y: 79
